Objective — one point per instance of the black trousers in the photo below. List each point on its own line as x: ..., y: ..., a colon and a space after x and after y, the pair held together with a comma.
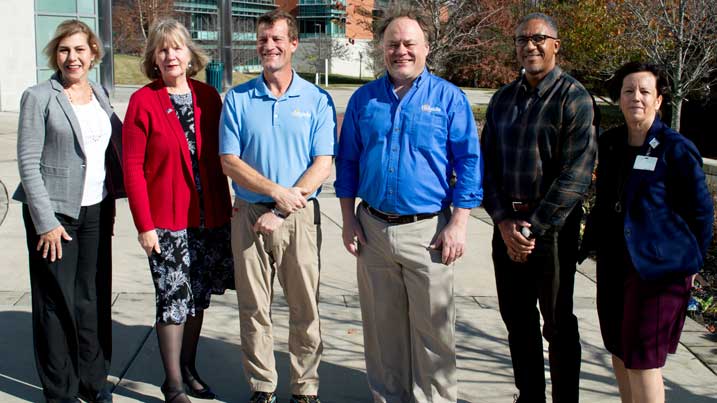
x: 71, y: 303
x: 547, y: 278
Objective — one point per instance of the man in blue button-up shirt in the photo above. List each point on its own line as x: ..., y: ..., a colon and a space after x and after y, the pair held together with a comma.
x: 403, y: 137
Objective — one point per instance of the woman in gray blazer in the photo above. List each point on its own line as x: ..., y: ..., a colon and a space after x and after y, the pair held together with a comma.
x: 69, y: 153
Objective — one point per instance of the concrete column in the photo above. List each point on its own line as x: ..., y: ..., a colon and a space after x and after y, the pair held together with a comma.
x: 17, y: 40
x: 225, y: 39
x: 107, y: 68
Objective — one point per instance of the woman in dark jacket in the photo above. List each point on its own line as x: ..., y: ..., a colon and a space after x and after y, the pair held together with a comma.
x: 69, y: 153
x: 653, y: 223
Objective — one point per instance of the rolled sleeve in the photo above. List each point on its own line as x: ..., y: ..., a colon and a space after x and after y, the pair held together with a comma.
x: 491, y: 185
x: 578, y: 149
x: 467, y: 161
x: 349, y: 151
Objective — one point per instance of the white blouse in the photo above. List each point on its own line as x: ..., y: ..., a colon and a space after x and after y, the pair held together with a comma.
x: 96, y: 131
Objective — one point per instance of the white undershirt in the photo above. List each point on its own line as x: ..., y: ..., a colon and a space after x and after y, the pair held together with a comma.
x: 96, y: 131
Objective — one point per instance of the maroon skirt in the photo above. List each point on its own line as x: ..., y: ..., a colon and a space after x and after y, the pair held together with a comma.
x: 641, y: 321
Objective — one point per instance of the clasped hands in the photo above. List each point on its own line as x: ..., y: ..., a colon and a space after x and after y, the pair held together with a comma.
x: 518, y: 246
x: 288, y: 201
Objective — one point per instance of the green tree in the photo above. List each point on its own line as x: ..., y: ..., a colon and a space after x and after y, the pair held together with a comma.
x: 593, y: 38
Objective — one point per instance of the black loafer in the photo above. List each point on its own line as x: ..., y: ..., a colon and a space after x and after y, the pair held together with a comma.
x: 103, y: 396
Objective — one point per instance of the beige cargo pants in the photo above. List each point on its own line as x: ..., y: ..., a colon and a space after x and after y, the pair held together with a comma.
x: 292, y: 253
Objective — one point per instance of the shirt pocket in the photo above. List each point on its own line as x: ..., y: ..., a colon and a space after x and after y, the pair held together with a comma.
x: 375, y: 123
x: 429, y: 130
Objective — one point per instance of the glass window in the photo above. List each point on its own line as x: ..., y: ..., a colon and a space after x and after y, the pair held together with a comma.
x: 91, y: 22
x: 57, y: 6
x: 86, y: 7
x: 44, y: 31
x: 45, y: 25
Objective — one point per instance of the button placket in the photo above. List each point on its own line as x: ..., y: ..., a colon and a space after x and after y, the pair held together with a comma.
x: 391, y: 177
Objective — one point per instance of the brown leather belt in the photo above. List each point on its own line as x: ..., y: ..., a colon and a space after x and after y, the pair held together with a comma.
x: 522, y: 207
x: 396, y: 218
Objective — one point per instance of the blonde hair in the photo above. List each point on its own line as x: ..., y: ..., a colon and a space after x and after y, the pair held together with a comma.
x: 69, y: 28
x: 169, y: 30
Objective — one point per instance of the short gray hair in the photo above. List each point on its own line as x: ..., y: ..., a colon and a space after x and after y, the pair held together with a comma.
x: 548, y: 20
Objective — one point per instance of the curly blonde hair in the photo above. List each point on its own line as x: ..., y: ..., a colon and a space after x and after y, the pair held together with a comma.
x: 169, y: 30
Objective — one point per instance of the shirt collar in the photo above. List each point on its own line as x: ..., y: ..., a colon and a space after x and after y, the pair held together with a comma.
x: 294, y: 90
x: 423, y: 77
x: 544, y: 84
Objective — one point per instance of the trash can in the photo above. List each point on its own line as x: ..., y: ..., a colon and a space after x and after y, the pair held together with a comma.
x: 215, y: 71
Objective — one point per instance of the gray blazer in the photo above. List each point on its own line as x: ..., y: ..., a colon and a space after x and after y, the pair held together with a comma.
x: 51, y: 157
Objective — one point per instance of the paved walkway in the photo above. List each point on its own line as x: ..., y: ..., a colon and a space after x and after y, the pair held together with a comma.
x: 483, y: 358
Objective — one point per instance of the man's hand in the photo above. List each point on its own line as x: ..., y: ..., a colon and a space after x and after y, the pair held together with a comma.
x: 268, y: 223
x: 149, y: 242
x: 451, y: 241
x: 352, y: 235
x: 289, y: 200
x: 518, y: 246
x: 51, y: 242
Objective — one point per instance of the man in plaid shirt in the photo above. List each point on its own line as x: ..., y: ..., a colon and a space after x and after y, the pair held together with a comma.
x: 539, y: 145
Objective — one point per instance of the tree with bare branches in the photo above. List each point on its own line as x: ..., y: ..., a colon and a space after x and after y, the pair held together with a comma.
x: 150, y: 10
x: 681, y: 36
x: 131, y: 20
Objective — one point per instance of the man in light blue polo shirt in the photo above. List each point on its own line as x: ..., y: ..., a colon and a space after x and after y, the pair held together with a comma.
x: 276, y: 143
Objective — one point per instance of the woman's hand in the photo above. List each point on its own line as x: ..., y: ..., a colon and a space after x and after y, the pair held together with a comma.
x: 149, y: 242
x: 51, y: 241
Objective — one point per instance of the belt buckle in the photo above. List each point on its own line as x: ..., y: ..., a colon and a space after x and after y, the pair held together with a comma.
x: 517, y: 205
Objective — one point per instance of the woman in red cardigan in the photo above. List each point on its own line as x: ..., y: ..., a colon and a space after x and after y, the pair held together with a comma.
x: 179, y: 198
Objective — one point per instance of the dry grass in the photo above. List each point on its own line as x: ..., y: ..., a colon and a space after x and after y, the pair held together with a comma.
x: 127, y: 72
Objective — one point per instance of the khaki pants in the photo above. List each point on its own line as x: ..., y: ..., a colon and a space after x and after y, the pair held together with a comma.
x: 408, y: 312
x: 292, y: 252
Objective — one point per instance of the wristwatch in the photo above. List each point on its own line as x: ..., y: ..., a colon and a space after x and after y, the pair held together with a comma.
x: 278, y: 213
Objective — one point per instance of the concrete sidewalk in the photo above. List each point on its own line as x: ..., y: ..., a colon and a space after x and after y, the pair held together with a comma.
x: 483, y: 358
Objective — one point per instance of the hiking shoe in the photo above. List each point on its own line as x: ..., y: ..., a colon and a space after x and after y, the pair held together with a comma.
x: 263, y: 397
x: 304, y: 399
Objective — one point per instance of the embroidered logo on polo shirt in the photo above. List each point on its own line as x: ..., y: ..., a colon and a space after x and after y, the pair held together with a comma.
x: 299, y: 114
x: 429, y: 108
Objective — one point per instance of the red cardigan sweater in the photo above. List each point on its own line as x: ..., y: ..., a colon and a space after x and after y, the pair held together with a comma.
x: 158, y: 168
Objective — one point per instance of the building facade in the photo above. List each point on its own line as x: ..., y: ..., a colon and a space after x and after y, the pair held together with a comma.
x: 335, y: 30
x: 202, y: 19
x: 25, y: 31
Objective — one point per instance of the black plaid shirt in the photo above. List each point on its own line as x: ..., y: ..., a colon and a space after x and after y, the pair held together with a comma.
x: 539, y: 147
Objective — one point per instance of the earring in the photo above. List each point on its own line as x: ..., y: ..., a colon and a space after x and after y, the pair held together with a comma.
x: 189, y: 65
x: 155, y: 67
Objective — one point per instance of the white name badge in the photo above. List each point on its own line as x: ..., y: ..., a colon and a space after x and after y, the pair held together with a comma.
x: 645, y: 163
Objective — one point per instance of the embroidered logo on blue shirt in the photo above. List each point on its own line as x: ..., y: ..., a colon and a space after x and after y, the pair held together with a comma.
x: 299, y: 114
x: 429, y: 108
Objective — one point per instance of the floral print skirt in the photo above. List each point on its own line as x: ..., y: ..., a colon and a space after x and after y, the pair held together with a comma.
x: 194, y: 263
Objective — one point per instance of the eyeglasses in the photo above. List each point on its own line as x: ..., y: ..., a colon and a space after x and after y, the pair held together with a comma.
x: 537, y: 39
